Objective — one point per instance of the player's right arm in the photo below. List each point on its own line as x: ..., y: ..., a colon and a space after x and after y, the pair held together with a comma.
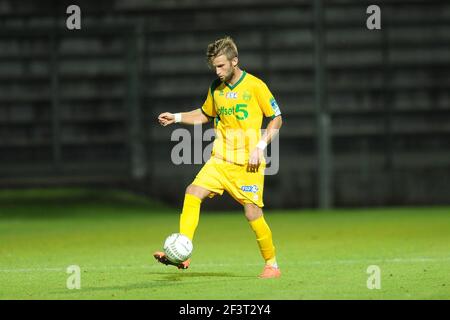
x: 192, y: 117
x: 197, y: 116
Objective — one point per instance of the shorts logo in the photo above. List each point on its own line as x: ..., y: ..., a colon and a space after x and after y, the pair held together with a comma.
x: 253, y: 188
x: 231, y: 95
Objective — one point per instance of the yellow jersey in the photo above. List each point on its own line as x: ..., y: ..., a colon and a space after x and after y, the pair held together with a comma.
x: 238, y: 112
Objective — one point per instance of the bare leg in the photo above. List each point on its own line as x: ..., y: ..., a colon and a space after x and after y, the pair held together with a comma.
x: 197, y: 191
x: 252, y: 211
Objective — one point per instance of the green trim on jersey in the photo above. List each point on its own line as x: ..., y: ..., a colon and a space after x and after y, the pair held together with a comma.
x: 214, y: 85
x: 203, y: 111
x: 239, y: 81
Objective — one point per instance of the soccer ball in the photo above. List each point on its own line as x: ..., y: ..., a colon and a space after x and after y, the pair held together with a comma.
x: 178, y: 248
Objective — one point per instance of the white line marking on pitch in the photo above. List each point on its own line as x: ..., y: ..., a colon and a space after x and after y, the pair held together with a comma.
x: 304, y: 263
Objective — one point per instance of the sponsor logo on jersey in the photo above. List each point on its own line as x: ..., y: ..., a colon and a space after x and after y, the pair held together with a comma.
x: 231, y: 95
x: 225, y: 111
x: 252, y: 188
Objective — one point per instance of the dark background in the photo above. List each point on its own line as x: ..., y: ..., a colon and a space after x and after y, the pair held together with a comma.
x: 79, y: 108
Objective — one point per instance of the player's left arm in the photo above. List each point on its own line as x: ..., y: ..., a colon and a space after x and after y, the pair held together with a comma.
x: 257, y: 154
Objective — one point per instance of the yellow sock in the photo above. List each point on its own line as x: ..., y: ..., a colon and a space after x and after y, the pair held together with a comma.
x: 190, y: 215
x: 264, y: 239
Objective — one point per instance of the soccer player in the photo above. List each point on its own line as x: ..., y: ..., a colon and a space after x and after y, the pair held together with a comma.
x: 236, y: 102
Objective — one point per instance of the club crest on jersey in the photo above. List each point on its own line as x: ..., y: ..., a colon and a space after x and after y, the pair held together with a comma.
x: 231, y: 95
x: 253, y: 188
x: 247, y: 96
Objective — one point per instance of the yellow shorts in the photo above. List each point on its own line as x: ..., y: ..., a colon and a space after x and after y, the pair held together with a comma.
x: 218, y: 175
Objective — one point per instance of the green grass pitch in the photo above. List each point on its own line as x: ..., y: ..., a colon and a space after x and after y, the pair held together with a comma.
x: 322, y: 255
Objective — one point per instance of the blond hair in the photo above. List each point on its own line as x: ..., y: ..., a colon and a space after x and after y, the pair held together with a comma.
x: 219, y: 47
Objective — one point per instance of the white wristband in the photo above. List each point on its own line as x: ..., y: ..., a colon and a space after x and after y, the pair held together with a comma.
x: 177, y: 117
x: 261, y: 145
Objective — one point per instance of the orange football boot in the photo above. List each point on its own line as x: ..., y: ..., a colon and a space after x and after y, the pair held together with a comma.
x: 161, y: 257
x: 270, y: 272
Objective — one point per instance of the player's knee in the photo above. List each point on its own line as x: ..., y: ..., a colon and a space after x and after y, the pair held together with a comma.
x: 195, y: 191
x: 191, y: 189
x: 252, y: 211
